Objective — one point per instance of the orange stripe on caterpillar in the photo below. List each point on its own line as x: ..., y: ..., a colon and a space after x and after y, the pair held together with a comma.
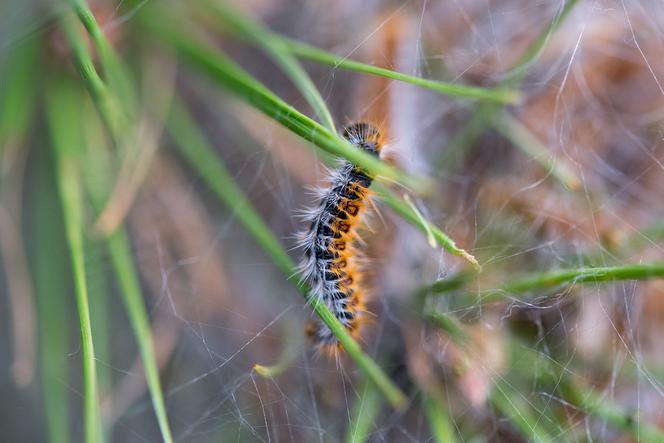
x: 332, y: 250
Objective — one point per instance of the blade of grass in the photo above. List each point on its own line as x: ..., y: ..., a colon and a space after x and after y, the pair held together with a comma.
x: 107, y: 104
x: 262, y: 37
x: 449, y: 324
x: 125, y: 271
x: 527, y: 142
x: 100, y: 320
x: 411, y: 215
x: 98, y: 185
x: 17, y: 91
x: 303, y: 50
x: 116, y: 74
x: 363, y: 415
x: 439, y: 420
x: 518, y: 411
x: 549, y: 280
x: 448, y: 284
x: 50, y: 286
x: 293, y: 342
x: 61, y: 111
x: 535, y: 49
x: 193, y: 145
x: 240, y: 83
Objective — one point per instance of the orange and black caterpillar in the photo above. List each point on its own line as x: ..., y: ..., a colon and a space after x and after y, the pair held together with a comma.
x: 332, y: 249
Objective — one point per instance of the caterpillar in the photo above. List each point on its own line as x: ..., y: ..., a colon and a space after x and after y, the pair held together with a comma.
x: 333, y: 253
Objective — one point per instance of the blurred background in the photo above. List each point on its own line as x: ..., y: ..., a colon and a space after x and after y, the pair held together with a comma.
x: 117, y: 118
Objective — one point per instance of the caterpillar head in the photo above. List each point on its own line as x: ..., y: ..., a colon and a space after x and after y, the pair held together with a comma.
x: 364, y: 136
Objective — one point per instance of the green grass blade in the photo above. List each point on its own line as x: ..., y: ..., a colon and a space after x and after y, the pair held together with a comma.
x: 240, y: 83
x: 115, y: 73
x: 17, y: 91
x: 50, y: 286
x: 100, y: 304
x: 548, y: 280
x: 412, y: 215
x: 125, y: 272
x: 448, y: 324
x: 62, y: 112
x: 293, y: 342
x: 534, y: 50
x: 277, y: 45
x: 303, y: 50
x: 106, y: 103
x: 197, y: 151
x: 262, y: 37
x: 447, y: 284
x: 439, y: 420
x: 511, y: 405
x: 526, y: 141
x: 363, y: 416
x: 554, y: 279
x: 98, y: 184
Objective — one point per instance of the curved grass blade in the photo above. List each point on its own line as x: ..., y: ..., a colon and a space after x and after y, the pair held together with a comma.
x: 115, y: 73
x: 193, y: 145
x: 278, y: 45
x: 98, y: 185
x: 303, y: 50
x: 125, y: 271
x: 67, y: 145
x: 106, y: 103
x: 264, y: 38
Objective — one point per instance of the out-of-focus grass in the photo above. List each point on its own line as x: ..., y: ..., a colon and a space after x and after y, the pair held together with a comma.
x: 52, y: 298
x: 485, y: 114
x: 68, y: 146
x: 98, y: 185
x: 17, y: 91
x: 439, y: 419
x: 366, y: 408
x: 523, y: 139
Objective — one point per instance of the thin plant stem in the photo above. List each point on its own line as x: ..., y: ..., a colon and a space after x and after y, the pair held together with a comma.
x: 67, y: 146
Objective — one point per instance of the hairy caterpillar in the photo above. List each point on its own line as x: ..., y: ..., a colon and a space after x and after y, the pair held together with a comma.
x: 332, y: 249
